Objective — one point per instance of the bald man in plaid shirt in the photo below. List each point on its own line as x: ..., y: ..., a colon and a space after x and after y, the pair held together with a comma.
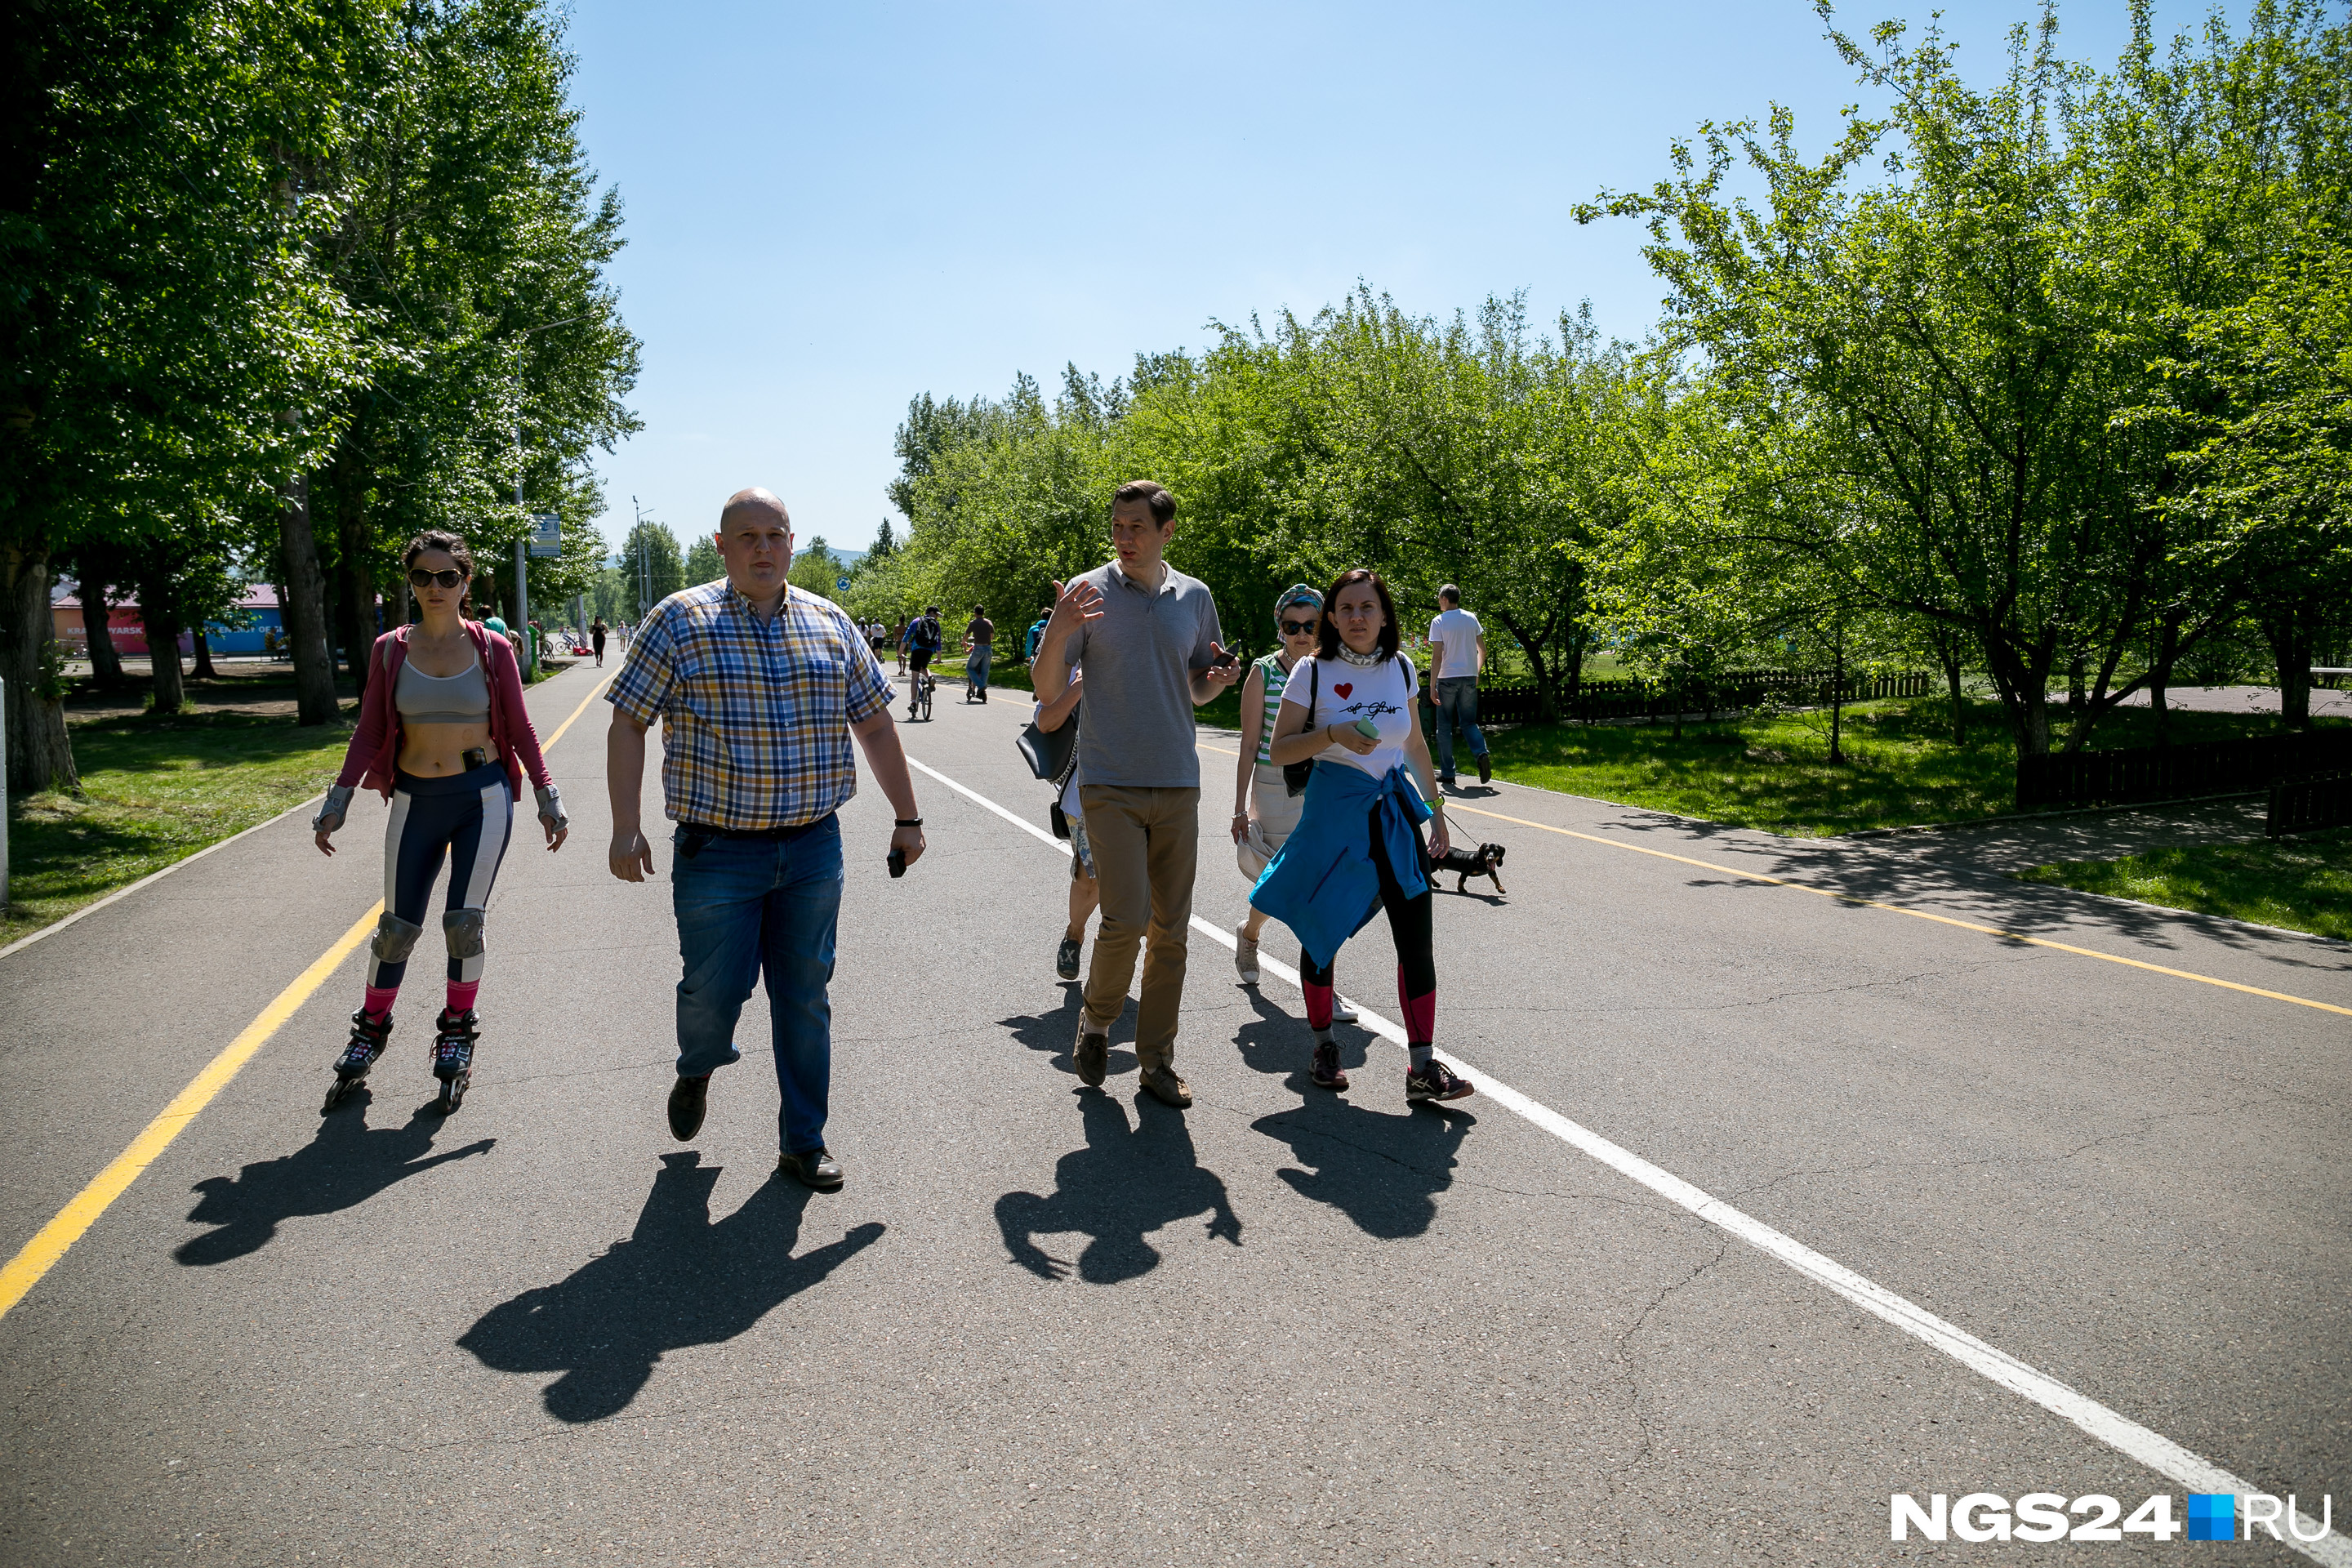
x: 759, y: 687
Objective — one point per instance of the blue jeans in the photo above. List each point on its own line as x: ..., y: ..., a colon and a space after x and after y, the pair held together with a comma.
x: 975, y: 667
x: 1457, y: 701
x: 748, y: 907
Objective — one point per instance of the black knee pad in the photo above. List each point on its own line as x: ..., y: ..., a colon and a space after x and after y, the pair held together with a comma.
x: 462, y: 930
x: 394, y: 939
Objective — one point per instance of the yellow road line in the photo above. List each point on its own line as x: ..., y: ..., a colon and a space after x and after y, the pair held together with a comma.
x: 1858, y: 902
x: 25, y: 1270
x: 38, y: 1255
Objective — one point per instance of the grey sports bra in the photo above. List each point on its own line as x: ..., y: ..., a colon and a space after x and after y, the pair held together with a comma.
x: 460, y: 699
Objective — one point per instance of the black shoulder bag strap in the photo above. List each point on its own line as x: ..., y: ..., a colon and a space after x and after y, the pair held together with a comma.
x: 1295, y: 774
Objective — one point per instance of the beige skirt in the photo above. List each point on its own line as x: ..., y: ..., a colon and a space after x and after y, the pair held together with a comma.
x: 1272, y: 816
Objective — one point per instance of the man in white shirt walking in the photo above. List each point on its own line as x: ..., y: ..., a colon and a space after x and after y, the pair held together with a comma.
x: 1458, y: 655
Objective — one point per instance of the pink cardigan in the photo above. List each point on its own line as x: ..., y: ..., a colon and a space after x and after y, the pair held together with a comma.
x: 374, y: 752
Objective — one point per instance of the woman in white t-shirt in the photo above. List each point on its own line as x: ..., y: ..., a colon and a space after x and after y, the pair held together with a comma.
x: 1357, y: 848
x: 1085, y: 893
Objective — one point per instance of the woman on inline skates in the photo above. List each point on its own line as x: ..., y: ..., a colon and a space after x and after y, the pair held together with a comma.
x: 442, y: 735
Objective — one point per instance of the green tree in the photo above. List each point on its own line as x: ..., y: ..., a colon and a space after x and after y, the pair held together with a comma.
x: 162, y: 321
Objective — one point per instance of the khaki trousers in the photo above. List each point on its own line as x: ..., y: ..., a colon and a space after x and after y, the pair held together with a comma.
x: 1146, y: 845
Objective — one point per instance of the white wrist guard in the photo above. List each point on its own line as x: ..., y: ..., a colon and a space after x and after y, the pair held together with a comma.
x: 550, y: 808
x: 338, y: 805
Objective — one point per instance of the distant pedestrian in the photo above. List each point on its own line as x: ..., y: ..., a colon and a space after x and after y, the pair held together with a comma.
x: 1264, y: 808
x: 596, y: 637
x: 1146, y: 638
x: 1356, y: 848
x: 978, y: 638
x: 898, y: 641
x: 1053, y: 711
x: 1458, y: 657
x: 759, y: 687
x: 1037, y: 634
x: 444, y: 737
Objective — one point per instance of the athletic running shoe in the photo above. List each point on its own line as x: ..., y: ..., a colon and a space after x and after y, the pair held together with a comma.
x: 1436, y: 1081
x: 1065, y: 958
x: 1326, y: 1071
x: 1244, y: 955
x: 1341, y: 1013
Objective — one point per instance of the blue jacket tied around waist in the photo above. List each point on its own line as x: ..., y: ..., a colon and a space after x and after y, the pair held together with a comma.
x: 1321, y: 884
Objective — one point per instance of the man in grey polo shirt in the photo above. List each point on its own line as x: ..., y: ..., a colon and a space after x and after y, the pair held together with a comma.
x: 1146, y: 635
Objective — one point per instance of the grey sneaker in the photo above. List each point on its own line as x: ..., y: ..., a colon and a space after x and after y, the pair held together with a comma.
x: 1167, y: 1088
x: 1436, y: 1081
x: 1092, y: 1054
x: 1065, y: 958
x: 1245, y: 956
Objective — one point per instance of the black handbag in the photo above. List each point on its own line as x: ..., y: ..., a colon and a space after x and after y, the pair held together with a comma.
x: 1296, y: 775
x: 1048, y: 753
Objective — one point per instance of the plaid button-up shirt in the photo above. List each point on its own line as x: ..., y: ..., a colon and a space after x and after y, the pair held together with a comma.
x: 755, y: 715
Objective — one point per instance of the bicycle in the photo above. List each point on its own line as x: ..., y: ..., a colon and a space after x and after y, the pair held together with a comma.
x: 919, y: 701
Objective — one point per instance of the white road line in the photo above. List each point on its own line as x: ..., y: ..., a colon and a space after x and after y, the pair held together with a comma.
x: 2117, y: 1431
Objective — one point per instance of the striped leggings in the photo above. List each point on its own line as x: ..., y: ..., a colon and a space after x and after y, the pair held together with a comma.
x: 467, y: 819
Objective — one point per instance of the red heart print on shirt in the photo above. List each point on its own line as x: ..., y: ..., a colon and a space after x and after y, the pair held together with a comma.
x: 1341, y: 691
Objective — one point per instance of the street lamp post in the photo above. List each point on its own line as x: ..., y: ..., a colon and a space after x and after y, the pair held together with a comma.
x: 522, y: 545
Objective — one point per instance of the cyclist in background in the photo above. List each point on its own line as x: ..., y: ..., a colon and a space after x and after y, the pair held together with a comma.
x: 923, y: 639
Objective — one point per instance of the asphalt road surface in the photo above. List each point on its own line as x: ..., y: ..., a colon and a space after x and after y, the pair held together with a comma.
x: 1775, y: 1204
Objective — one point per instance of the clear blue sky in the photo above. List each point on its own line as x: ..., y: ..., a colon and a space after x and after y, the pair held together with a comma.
x: 831, y: 208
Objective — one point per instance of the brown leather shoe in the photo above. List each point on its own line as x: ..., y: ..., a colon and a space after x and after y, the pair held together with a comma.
x: 1092, y: 1054
x: 687, y: 1100
x: 1167, y: 1088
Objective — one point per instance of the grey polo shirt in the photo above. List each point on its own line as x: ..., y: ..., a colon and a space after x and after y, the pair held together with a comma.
x: 1139, y: 658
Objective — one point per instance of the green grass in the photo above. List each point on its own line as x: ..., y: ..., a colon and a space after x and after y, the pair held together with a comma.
x: 155, y: 790
x: 2302, y: 883
x: 1901, y: 767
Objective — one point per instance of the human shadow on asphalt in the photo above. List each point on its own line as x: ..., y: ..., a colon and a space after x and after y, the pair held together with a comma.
x: 1129, y: 1180
x: 1055, y: 1033
x: 1382, y: 1170
x: 346, y: 1164
x: 677, y: 1280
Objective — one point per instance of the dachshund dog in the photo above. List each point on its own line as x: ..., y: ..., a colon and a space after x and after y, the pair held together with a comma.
x: 1486, y: 861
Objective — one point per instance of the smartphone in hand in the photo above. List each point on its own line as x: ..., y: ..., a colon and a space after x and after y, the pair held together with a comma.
x: 897, y: 862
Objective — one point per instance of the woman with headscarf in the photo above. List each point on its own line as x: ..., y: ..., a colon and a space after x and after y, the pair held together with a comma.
x: 1264, y: 808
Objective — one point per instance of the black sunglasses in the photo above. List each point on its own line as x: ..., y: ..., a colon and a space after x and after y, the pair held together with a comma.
x: 419, y: 577
x: 1298, y: 628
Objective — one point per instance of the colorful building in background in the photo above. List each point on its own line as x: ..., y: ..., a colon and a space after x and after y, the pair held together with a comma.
x: 261, y: 627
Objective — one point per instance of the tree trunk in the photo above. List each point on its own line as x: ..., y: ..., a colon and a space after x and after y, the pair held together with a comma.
x: 2288, y: 629
x: 163, y: 620
x: 1837, y: 699
x: 356, y: 599
x: 303, y: 605
x: 359, y: 589
x: 204, y: 670
x: 104, y: 662
x: 40, y: 756
x: 2074, y: 677
x: 2159, y: 676
x: 1947, y: 641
